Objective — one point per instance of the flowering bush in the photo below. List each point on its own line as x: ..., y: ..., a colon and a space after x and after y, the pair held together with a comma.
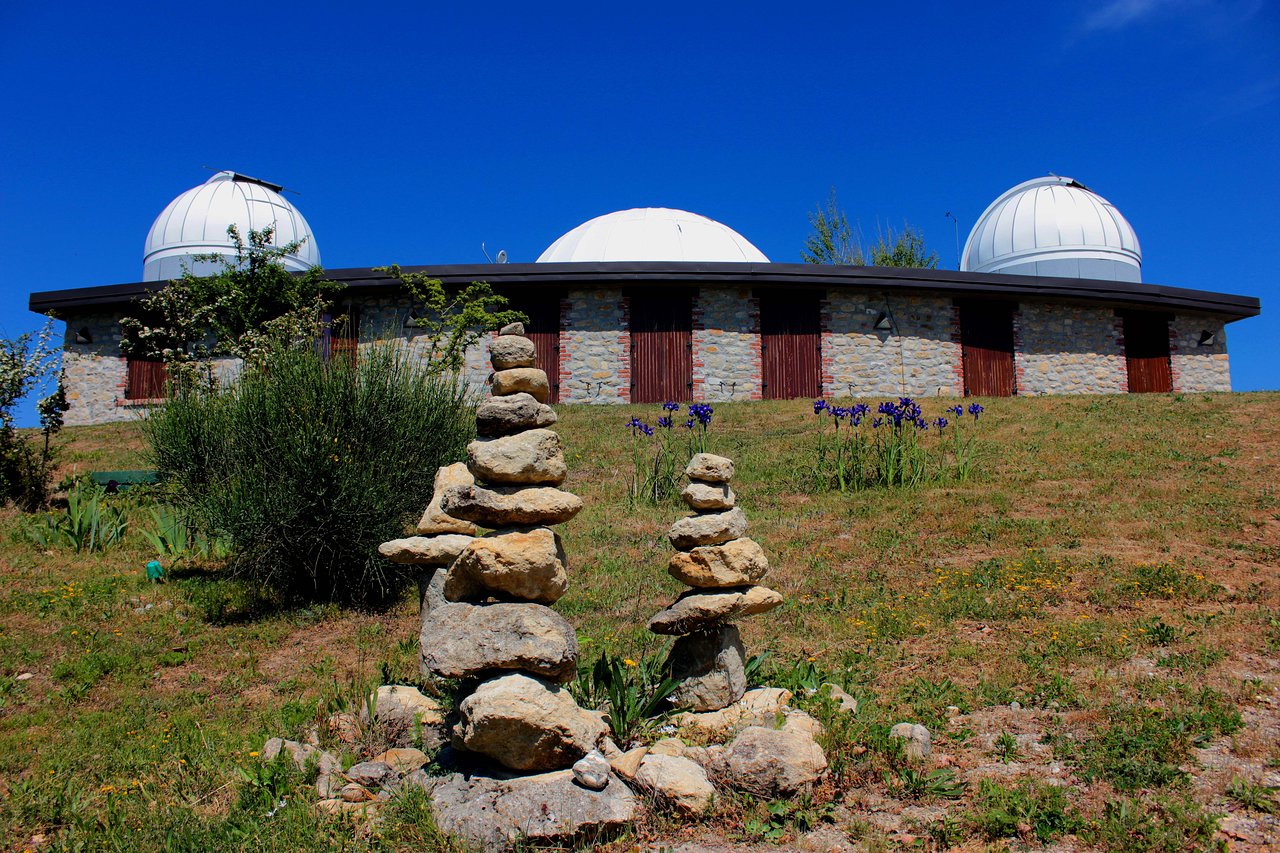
x: 658, y: 452
x: 890, y: 447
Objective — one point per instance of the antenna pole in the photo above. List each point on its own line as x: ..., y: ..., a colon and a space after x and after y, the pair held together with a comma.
x: 486, y: 253
x: 956, y: 222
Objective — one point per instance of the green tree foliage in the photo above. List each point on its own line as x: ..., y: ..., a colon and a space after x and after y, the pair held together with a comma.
x: 26, y: 363
x: 306, y: 467
x: 833, y: 241
x: 452, y: 321
x: 249, y: 307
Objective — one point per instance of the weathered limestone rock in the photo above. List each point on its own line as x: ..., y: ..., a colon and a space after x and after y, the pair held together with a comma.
x: 773, y: 762
x: 592, y: 770
x: 707, y: 529
x: 628, y: 764
x: 709, y: 496
x: 760, y: 706
x: 532, y: 457
x: 710, y: 668
x: 735, y: 563
x: 511, y: 329
x: 400, y: 702
x: 526, y: 724
x: 529, y: 380
x: 919, y: 743
x: 508, y: 351
x: 301, y: 754
x: 525, y: 564
x: 402, y: 760
x: 425, y: 550
x: 460, y: 640
x: 677, y: 781
x: 435, y: 521
x: 494, y: 814
x: 840, y: 696
x: 506, y: 506
x: 506, y: 415
x: 698, y: 611
x: 371, y: 774
x: 709, y: 468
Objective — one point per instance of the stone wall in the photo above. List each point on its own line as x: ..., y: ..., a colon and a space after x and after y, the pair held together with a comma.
x: 1068, y: 349
x: 1198, y: 367
x: 726, y: 345
x: 95, y: 372
x: 383, y: 318
x: 919, y: 357
x: 595, y: 347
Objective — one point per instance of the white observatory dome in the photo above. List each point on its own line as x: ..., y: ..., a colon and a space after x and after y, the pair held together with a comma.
x: 652, y: 234
x: 195, y: 223
x: 1056, y: 227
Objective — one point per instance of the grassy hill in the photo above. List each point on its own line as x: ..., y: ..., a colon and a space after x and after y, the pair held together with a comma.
x: 1089, y: 627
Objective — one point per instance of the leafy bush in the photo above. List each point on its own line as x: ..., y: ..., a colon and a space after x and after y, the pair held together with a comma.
x: 304, y: 467
x: 27, y: 362
x: 632, y: 693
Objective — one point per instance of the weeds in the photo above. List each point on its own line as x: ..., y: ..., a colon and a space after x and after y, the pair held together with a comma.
x: 1250, y: 795
x: 1163, y: 825
x: 1006, y: 747
x: 632, y: 693
x: 88, y: 524
x: 909, y: 783
x: 1028, y: 808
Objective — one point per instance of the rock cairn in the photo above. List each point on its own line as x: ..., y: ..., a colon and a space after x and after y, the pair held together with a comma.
x: 491, y: 626
x: 722, y: 565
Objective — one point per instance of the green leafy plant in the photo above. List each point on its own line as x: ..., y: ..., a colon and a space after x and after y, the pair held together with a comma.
x: 777, y: 819
x: 26, y: 363
x: 1006, y: 747
x: 1158, y: 632
x: 1251, y: 795
x: 452, y: 320
x: 305, y: 468
x: 912, y: 784
x: 170, y: 536
x: 87, y: 524
x: 1159, y: 825
x: 1002, y: 812
x: 631, y: 693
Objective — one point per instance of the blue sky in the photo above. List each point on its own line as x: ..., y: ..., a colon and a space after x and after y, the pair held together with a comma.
x: 412, y: 134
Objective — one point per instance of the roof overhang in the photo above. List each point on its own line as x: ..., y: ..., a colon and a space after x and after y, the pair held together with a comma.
x: 671, y: 274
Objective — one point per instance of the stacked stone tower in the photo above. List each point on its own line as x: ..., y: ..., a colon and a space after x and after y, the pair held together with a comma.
x: 489, y: 624
x: 722, y: 565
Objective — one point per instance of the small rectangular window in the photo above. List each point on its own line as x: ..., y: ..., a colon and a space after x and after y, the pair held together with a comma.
x: 147, y: 380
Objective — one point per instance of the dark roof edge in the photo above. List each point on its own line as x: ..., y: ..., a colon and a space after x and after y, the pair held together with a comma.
x: 995, y: 285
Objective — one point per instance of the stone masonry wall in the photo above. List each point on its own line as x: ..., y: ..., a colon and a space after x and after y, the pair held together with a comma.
x: 95, y: 372
x: 726, y: 345
x: 595, y: 347
x: 1068, y: 349
x: 921, y: 360
x: 383, y: 318
x: 1197, y: 367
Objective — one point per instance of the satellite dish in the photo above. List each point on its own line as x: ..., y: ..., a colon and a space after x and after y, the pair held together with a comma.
x: 502, y: 256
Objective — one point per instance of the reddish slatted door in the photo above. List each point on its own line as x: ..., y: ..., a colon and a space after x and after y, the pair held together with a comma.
x: 543, y: 328
x: 986, y: 341
x: 790, y: 345
x: 147, y: 380
x: 661, y: 347
x: 1146, y: 354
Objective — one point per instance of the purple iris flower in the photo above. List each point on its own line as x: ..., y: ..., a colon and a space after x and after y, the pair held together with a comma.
x: 670, y: 406
x: 975, y: 409
x: 665, y: 423
x: 688, y: 424
x: 941, y: 423
x: 819, y: 406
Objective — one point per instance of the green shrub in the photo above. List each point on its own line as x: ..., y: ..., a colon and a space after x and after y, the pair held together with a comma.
x: 304, y: 467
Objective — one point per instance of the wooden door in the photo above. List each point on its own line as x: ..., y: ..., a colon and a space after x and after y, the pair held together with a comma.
x: 986, y: 342
x: 1146, y: 353
x: 543, y: 328
x: 147, y: 380
x: 661, y: 346
x: 791, y: 345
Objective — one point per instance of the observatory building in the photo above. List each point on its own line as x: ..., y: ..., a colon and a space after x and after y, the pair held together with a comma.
x: 653, y: 304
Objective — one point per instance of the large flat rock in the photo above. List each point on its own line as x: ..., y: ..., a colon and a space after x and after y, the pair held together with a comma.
x: 711, y: 669
x: 425, y: 550
x: 497, y: 814
x: 508, y: 351
x: 711, y: 528
x: 511, y: 506
x: 700, y: 611
x: 527, y: 380
x: 461, y: 640
x: 514, y: 413
x: 735, y: 563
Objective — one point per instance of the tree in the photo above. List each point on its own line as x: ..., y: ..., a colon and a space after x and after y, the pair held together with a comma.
x: 251, y: 305
x: 906, y: 249
x: 27, y: 362
x: 452, y: 321
x: 832, y: 240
